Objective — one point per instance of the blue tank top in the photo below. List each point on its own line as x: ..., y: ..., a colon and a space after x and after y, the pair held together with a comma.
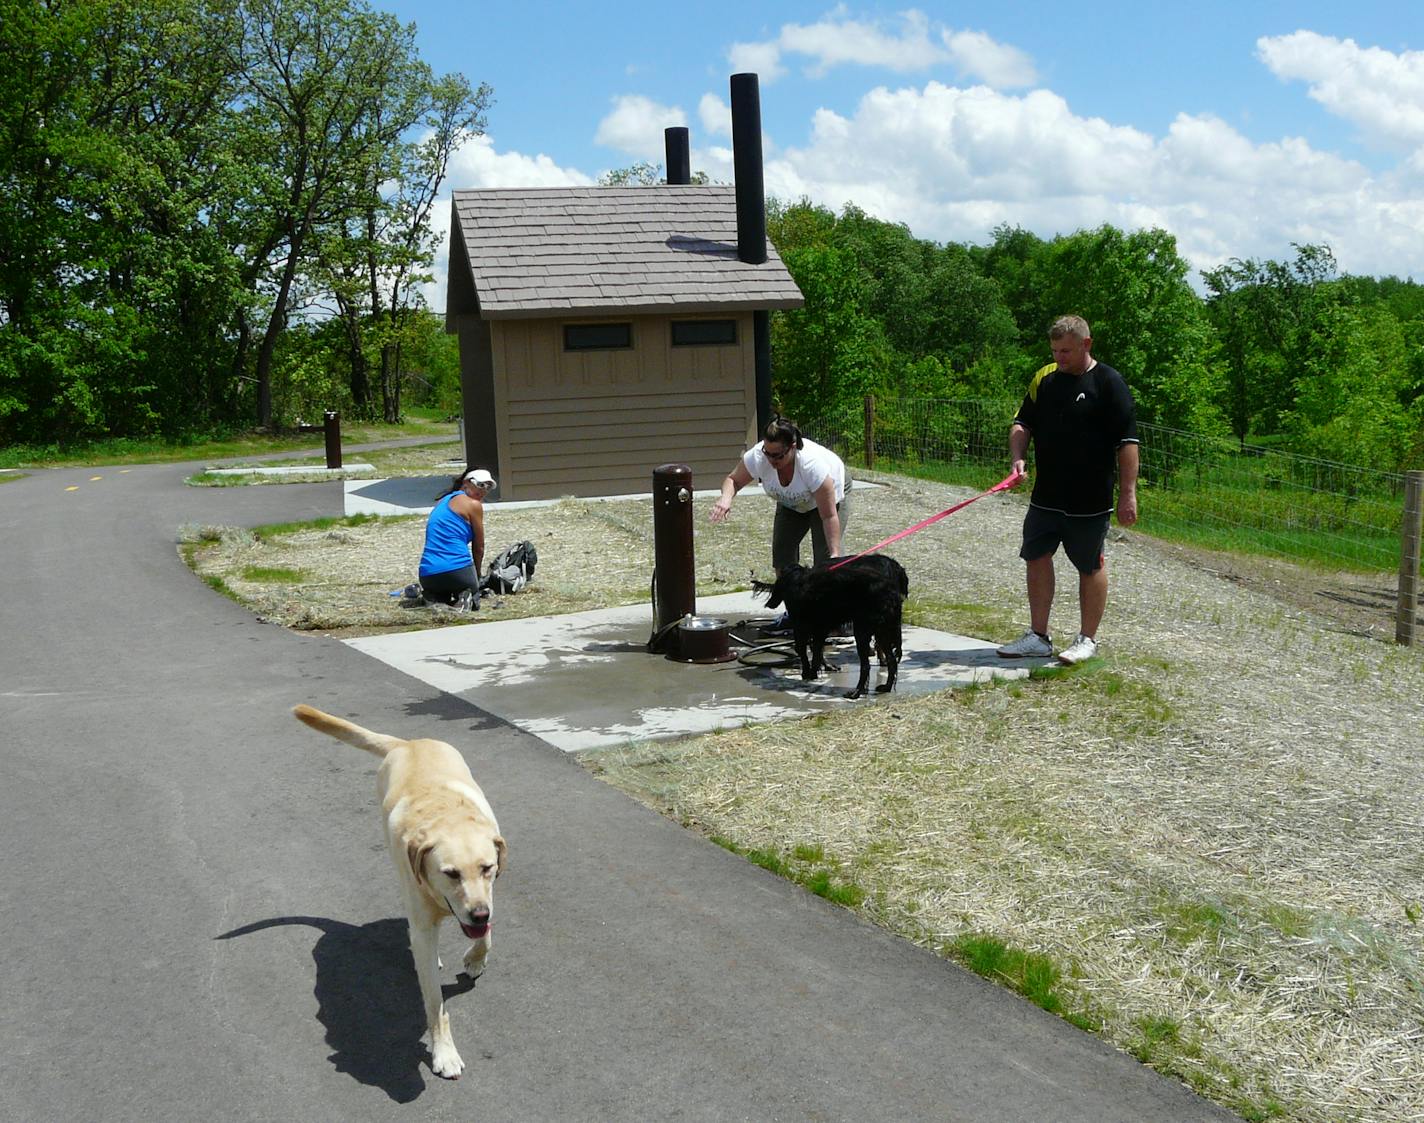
x: 447, y: 540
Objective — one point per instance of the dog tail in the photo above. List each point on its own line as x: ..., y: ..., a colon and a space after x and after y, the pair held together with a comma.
x: 378, y: 743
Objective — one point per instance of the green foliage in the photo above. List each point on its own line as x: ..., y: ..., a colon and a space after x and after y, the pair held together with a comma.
x: 178, y: 178
x: 218, y: 212
x: 1132, y: 289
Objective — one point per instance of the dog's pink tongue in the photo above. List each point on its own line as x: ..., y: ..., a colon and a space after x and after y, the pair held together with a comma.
x: 475, y: 931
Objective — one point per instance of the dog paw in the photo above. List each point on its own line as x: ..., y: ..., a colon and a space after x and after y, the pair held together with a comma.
x: 445, y: 1061
x: 476, y: 960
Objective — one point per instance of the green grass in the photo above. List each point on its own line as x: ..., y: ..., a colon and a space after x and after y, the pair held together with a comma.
x: 807, y: 866
x: 957, y: 616
x: 961, y: 473
x: 271, y: 531
x: 1334, y: 516
x: 1311, y: 529
x: 157, y: 450
x: 274, y: 574
x: 1034, y: 976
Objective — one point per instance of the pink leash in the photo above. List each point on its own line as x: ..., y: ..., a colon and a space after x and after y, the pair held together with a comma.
x: 1011, y: 480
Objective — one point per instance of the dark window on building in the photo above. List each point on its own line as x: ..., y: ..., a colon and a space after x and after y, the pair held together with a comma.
x: 703, y: 333
x: 597, y: 337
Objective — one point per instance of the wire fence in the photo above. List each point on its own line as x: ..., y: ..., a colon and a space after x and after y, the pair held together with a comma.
x: 1208, y: 491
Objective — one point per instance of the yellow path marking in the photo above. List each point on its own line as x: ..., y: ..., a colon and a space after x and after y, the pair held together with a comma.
x: 93, y: 478
x: 74, y: 488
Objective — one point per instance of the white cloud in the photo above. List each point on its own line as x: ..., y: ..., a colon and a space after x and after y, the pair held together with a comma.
x: 715, y: 115
x: 954, y: 163
x: 1380, y: 92
x: 762, y: 59
x: 636, y: 124
x: 836, y: 43
x: 975, y: 55
x: 478, y: 164
x: 914, y: 45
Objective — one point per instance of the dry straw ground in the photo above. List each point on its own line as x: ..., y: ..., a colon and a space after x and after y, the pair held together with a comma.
x: 1209, y: 842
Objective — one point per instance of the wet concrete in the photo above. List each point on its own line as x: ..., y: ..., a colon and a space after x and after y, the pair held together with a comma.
x: 586, y: 680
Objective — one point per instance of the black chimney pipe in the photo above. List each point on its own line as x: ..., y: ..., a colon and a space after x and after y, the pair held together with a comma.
x: 751, y: 222
x: 746, y: 165
x: 679, y: 162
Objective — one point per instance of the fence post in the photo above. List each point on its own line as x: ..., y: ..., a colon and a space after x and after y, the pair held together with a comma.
x: 1408, y: 610
x: 332, y: 428
x: 869, y: 432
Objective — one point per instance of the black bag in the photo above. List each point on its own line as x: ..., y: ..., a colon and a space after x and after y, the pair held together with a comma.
x: 511, y: 568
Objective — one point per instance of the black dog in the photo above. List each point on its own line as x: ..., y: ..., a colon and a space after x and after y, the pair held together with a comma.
x: 869, y: 593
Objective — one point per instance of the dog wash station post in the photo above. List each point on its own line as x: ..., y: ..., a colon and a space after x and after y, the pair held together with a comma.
x: 678, y: 632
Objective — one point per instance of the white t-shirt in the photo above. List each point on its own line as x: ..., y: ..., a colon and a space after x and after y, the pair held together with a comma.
x: 813, y: 463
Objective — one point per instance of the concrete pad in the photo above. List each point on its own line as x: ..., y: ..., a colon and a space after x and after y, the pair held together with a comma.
x: 586, y: 680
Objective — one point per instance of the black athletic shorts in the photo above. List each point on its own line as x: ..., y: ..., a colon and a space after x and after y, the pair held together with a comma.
x: 1082, y: 537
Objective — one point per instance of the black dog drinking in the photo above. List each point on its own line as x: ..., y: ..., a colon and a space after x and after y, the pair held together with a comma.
x: 868, y: 593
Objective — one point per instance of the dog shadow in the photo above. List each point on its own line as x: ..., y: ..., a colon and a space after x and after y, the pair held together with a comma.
x: 369, y: 1000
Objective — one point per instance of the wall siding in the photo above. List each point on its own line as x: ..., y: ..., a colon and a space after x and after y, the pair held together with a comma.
x: 599, y: 422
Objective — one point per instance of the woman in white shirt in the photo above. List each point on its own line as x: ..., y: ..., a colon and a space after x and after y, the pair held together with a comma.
x: 809, y: 484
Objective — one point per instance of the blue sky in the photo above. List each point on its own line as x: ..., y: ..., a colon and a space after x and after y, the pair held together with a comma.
x: 1241, y: 128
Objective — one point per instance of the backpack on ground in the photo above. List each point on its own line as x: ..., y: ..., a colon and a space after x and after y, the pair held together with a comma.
x: 512, y: 568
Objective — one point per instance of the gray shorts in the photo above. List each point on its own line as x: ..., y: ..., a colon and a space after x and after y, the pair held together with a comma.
x: 789, y: 529
x: 1082, y: 537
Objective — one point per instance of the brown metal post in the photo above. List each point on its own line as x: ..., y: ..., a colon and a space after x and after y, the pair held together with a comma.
x: 675, y: 594
x: 332, y: 428
x: 870, y: 430
x: 1406, y: 615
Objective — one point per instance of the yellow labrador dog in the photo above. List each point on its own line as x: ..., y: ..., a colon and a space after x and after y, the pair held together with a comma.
x: 447, y: 851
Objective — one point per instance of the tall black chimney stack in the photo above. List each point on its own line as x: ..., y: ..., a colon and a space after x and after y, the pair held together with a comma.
x: 751, y: 221
x: 746, y: 165
x: 679, y: 162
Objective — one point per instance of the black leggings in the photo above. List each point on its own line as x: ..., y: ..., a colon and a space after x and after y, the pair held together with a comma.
x: 445, y: 587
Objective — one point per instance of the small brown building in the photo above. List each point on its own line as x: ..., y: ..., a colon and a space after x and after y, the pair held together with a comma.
x: 604, y: 331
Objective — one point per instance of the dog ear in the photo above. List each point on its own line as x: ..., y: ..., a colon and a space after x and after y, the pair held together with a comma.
x: 501, y: 848
x: 416, y: 851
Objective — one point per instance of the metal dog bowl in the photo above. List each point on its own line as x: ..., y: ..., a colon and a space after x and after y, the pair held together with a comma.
x: 702, y: 639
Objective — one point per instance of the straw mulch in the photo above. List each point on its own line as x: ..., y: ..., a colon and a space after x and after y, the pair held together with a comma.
x: 1216, y: 832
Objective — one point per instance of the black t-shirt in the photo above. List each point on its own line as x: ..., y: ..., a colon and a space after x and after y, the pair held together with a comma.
x: 1077, y: 422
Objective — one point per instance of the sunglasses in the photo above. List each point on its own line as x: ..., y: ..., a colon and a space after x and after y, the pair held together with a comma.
x: 776, y: 457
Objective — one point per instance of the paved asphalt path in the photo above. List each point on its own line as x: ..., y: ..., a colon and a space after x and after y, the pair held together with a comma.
x: 200, y: 921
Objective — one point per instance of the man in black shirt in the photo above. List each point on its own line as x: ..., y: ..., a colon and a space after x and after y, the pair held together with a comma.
x: 1081, y: 418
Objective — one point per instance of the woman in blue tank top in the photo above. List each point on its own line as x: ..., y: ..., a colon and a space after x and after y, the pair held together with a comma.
x: 455, y: 542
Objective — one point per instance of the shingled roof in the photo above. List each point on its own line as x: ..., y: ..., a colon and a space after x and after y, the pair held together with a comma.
x: 572, y: 251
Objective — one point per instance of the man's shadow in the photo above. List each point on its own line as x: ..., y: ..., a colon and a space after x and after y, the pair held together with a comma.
x: 368, y: 999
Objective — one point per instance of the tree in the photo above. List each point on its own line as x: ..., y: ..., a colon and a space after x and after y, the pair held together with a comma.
x: 328, y: 87
x: 642, y: 173
x: 373, y: 258
x: 828, y: 354
x: 112, y: 287
x: 1262, y: 312
x: 1145, y: 318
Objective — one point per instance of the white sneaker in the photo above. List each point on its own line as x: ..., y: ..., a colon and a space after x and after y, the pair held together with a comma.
x: 1080, y: 649
x: 1028, y: 645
